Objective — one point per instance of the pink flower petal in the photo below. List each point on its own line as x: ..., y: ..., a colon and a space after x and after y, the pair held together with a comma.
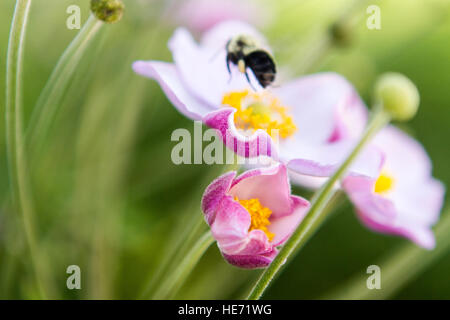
x: 306, y: 181
x: 230, y: 229
x: 404, y: 155
x: 254, y: 184
x: 422, y: 202
x: 323, y: 105
x: 258, y: 144
x: 218, y: 36
x: 231, y: 221
x: 204, y: 69
x: 214, y: 194
x: 168, y: 78
x: 284, y: 226
x: 350, y: 116
x: 255, y: 243
x: 201, y: 15
x: 251, y: 261
x: 383, y: 214
x: 323, y: 159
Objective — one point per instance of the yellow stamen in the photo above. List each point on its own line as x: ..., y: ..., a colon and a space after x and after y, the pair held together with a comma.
x: 260, y: 215
x: 384, y: 183
x: 260, y: 111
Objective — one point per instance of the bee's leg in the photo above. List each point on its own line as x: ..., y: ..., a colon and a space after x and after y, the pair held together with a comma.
x: 228, y: 66
x: 229, y: 58
x: 242, y: 66
x: 248, y: 79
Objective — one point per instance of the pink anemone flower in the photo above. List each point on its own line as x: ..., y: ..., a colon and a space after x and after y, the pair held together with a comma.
x: 201, y: 15
x: 252, y: 214
x: 316, y: 118
x: 405, y: 199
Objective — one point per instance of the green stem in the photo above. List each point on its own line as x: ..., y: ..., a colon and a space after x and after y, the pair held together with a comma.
x: 170, y: 287
x: 48, y: 102
x: 316, y: 214
x: 320, y: 46
x: 184, y: 240
x: 398, y: 268
x: 14, y: 135
x: 334, y: 205
x: 180, y: 243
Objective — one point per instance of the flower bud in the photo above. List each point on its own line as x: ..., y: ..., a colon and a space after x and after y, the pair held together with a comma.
x: 341, y: 33
x: 398, y: 96
x: 109, y: 11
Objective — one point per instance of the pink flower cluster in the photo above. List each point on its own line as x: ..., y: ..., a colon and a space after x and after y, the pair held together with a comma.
x: 319, y: 119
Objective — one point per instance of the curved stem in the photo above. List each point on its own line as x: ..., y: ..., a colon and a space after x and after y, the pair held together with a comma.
x: 47, y: 105
x: 184, y: 240
x: 181, y: 242
x: 14, y: 134
x: 316, y: 214
x: 170, y: 287
x: 318, y: 49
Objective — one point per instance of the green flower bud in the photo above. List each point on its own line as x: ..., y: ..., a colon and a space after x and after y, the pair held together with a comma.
x: 109, y: 11
x: 398, y: 96
x: 341, y: 33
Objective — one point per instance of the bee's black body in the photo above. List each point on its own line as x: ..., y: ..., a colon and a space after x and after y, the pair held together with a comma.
x: 244, y: 52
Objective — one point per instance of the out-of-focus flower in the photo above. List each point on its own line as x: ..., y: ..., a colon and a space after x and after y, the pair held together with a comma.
x: 252, y: 214
x: 318, y: 117
x: 201, y: 15
x: 405, y: 199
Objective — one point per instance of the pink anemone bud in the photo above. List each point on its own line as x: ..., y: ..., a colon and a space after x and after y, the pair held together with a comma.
x: 251, y: 215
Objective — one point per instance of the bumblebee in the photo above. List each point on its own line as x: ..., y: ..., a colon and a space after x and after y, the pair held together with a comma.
x: 245, y: 52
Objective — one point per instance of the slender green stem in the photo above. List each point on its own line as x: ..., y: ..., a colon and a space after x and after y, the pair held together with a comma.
x: 398, y: 268
x: 318, y: 49
x: 180, y: 243
x: 334, y: 205
x: 316, y: 214
x: 321, y: 45
x: 169, y: 287
x: 48, y: 102
x: 183, y: 241
x: 13, y: 77
x: 14, y: 134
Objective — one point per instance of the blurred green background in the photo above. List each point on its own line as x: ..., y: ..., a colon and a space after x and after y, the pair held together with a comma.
x: 107, y: 196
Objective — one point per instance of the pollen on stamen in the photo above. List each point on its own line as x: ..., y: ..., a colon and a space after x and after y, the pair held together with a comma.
x: 259, y: 216
x: 384, y: 183
x: 260, y: 111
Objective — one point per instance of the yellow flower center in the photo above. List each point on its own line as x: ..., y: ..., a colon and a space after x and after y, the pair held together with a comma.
x: 384, y: 183
x: 259, y: 214
x: 260, y: 111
